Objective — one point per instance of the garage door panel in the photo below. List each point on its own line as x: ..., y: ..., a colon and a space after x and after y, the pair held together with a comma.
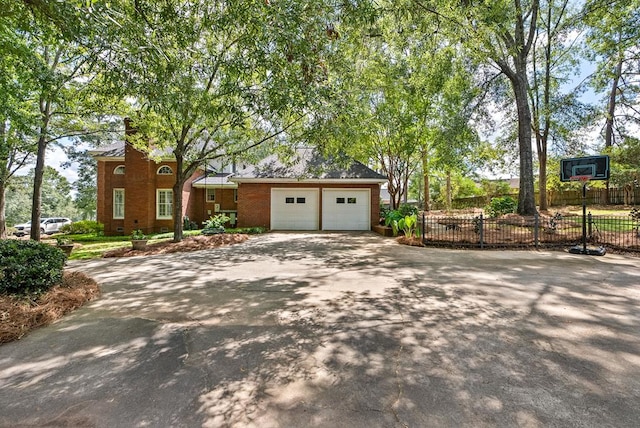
x: 346, y: 209
x: 294, y: 209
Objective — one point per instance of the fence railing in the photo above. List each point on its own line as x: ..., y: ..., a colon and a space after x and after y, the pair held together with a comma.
x: 615, y: 232
x: 617, y: 196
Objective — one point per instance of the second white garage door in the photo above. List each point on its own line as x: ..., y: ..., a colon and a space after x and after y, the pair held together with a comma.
x: 346, y: 209
x: 294, y: 209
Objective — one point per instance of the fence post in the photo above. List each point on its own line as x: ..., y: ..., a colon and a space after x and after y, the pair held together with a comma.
x: 424, y: 227
x: 481, y: 231
x: 590, y: 223
x: 536, y: 229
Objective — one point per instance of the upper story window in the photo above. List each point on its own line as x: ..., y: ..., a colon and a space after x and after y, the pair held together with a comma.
x: 119, y: 170
x: 165, y: 170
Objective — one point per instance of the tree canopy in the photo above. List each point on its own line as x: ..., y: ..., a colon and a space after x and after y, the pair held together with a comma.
x: 402, y: 85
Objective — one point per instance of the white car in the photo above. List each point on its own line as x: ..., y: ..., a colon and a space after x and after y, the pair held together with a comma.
x: 48, y: 225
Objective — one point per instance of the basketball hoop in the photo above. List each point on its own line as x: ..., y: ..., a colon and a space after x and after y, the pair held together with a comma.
x: 583, y: 170
x: 581, y: 178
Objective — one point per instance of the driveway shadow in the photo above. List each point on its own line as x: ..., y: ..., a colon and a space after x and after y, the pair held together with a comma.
x: 328, y: 329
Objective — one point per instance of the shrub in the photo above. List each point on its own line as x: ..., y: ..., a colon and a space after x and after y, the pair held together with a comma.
x: 500, y: 206
x: 138, y: 235
x: 215, y: 224
x: 407, y: 210
x: 253, y: 230
x: 392, y: 218
x: 29, y: 267
x: 83, y: 227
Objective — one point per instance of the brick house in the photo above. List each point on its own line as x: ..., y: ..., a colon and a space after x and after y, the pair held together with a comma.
x: 135, y: 192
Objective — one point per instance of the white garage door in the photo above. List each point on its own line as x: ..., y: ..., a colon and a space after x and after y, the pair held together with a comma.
x: 294, y: 209
x: 346, y: 209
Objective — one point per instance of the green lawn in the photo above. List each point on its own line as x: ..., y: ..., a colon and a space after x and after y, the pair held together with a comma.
x: 90, y: 246
x: 621, y: 224
x: 600, y: 210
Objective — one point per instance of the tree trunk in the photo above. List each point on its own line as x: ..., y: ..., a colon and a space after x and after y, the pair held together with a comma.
x: 611, y: 111
x: 3, y: 218
x: 177, y: 200
x: 425, y: 176
x: 4, y: 176
x: 542, y: 135
x: 526, y: 195
x: 449, y: 190
x: 36, y: 202
x: 542, y: 181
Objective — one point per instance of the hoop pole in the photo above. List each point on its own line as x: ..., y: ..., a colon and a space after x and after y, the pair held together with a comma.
x: 584, y: 218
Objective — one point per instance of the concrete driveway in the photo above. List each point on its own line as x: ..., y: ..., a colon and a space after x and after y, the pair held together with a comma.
x: 328, y: 330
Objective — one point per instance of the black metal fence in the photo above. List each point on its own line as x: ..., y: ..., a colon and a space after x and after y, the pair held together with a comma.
x: 595, y: 196
x: 513, y: 231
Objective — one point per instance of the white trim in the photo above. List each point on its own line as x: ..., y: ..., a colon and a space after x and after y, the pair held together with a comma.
x: 214, y: 186
x: 164, y: 173
x: 170, y: 203
x: 113, y: 213
x: 124, y: 170
x: 109, y: 158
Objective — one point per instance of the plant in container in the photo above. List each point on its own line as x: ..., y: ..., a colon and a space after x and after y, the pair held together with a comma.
x: 65, y: 244
x: 138, y: 240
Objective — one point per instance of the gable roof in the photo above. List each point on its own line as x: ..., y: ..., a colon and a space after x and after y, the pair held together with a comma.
x: 310, y: 166
x: 214, y: 180
x: 113, y: 151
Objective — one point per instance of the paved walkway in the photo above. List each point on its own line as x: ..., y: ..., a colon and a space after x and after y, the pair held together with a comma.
x: 328, y: 330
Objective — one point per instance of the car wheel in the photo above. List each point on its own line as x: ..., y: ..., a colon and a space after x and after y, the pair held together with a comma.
x: 42, y: 232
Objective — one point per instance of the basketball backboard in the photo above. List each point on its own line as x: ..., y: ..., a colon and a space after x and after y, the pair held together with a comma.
x: 596, y: 167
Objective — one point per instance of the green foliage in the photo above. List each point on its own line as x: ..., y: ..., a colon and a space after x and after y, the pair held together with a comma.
x: 86, y: 184
x: 83, y: 227
x: 405, y: 218
x: 215, y: 224
x: 29, y: 267
x: 407, y: 209
x: 187, y: 224
x: 496, y: 187
x: 138, y: 235
x: 254, y: 230
x: 501, y: 206
x: 409, y: 225
x: 392, y: 219
x: 217, y: 221
x: 63, y: 240
x: 56, y: 197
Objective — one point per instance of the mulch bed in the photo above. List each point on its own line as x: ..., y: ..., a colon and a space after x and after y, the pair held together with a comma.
x: 411, y: 241
x: 19, y: 315
x: 192, y: 243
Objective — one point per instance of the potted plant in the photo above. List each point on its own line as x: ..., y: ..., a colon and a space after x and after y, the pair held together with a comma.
x: 138, y: 240
x: 65, y: 244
